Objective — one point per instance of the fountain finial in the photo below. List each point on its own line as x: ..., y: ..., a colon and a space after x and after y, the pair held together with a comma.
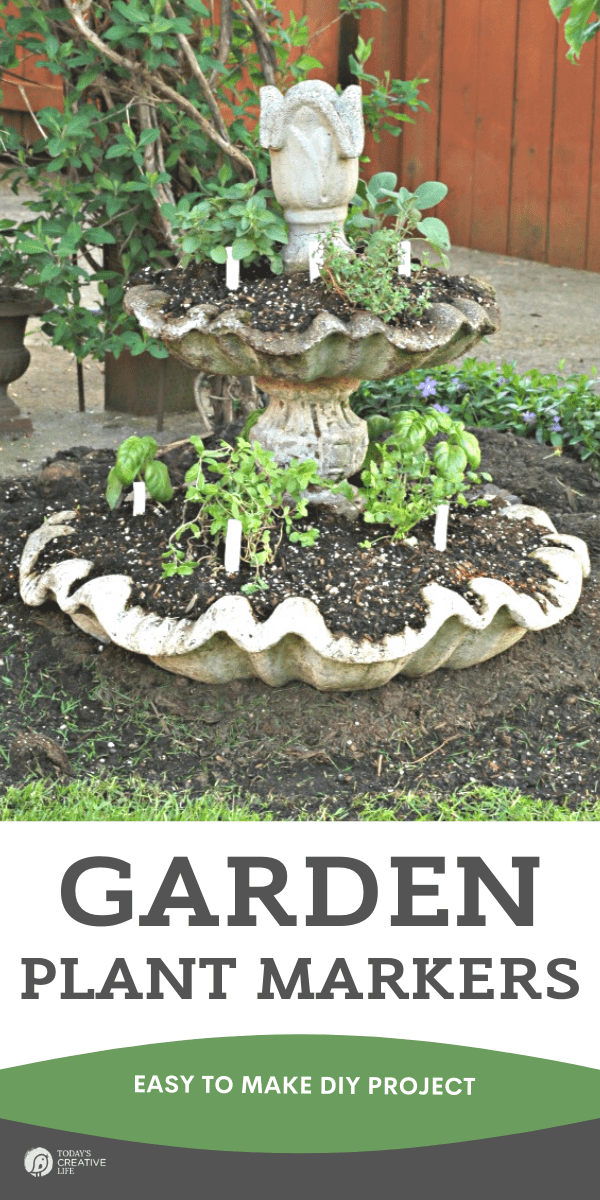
x: 315, y: 137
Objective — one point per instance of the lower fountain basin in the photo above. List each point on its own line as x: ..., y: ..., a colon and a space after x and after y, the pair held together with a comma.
x: 227, y: 642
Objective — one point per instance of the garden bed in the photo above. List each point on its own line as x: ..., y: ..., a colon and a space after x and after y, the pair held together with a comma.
x: 364, y: 584
x: 290, y: 303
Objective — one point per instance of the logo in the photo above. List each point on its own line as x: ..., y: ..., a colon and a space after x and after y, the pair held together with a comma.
x: 38, y: 1162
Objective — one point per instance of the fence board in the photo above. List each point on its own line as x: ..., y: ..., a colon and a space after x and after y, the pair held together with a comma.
x: 458, y: 115
x: 592, y: 261
x: 493, y: 125
x: 571, y: 155
x: 387, y: 30
x: 323, y: 16
x: 532, y: 139
x: 422, y: 59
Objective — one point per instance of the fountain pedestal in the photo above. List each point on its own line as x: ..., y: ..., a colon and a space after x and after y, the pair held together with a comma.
x: 313, y: 420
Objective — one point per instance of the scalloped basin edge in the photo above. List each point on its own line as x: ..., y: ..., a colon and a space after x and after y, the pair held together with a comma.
x: 227, y: 642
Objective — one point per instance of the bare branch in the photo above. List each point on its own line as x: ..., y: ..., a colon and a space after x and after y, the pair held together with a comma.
x: 201, y: 77
x: 31, y: 112
x: 163, y: 193
x: 225, y: 35
x: 264, y: 45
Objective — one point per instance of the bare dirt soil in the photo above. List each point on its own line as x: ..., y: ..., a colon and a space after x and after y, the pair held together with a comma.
x: 529, y: 718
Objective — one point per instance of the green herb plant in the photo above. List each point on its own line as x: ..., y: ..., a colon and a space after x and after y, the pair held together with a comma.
x: 233, y: 214
x: 136, y: 460
x: 370, y: 280
x: 403, y: 481
x: 244, y: 483
x: 375, y: 202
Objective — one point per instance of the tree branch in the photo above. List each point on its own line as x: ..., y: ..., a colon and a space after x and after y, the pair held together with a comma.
x: 157, y: 85
x: 264, y: 45
x: 201, y: 77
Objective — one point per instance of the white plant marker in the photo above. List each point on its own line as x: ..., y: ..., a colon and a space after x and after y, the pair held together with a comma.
x: 315, y: 258
x: 233, y: 546
x: 404, y: 250
x: 440, y: 531
x: 139, y: 498
x: 232, y: 270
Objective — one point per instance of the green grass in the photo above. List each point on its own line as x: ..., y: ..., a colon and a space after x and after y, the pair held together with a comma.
x: 113, y: 800
x: 109, y: 799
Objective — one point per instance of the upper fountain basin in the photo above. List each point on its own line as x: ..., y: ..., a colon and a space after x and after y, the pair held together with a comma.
x: 362, y: 348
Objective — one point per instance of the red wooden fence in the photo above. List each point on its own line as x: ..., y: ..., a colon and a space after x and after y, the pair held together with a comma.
x: 514, y: 128
x: 26, y: 89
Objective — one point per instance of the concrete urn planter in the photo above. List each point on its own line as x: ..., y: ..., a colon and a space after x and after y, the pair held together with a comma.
x: 17, y: 304
x: 227, y: 642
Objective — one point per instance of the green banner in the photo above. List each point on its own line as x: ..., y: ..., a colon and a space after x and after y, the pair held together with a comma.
x: 299, y: 1093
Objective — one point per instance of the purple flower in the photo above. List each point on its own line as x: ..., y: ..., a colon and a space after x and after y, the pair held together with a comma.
x: 556, y: 425
x: 529, y: 418
x: 428, y: 387
x: 441, y: 408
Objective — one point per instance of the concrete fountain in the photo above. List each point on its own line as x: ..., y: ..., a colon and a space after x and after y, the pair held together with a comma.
x: 315, y: 138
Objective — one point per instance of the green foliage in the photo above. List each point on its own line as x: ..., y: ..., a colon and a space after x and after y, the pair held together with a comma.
x: 233, y: 214
x: 578, y: 27
x: 376, y: 202
x: 383, y: 98
x: 243, y: 483
x: 563, y: 411
x: 370, y: 280
x: 135, y: 460
x: 403, y: 480
x: 119, y: 173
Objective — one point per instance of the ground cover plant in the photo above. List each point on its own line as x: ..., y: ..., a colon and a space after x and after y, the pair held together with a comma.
x: 557, y: 410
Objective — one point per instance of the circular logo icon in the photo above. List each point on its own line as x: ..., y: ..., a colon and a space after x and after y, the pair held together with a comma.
x: 38, y: 1162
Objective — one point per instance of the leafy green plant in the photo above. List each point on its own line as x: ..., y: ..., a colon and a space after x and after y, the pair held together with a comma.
x: 403, y: 481
x: 369, y: 277
x: 578, y: 27
x: 382, y: 98
x: 376, y: 202
x: 370, y: 280
x: 243, y: 483
x: 560, y: 410
x: 232, y: 215
x: 135, y: 460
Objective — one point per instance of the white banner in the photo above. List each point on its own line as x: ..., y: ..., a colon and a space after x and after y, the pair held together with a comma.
x: 507, y: 961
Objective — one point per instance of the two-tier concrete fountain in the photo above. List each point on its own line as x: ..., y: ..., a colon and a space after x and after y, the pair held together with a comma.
x: 315, y: 138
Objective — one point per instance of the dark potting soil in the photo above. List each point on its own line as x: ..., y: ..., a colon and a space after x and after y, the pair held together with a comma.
x: 363, y: 590
x: 287, y: 303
